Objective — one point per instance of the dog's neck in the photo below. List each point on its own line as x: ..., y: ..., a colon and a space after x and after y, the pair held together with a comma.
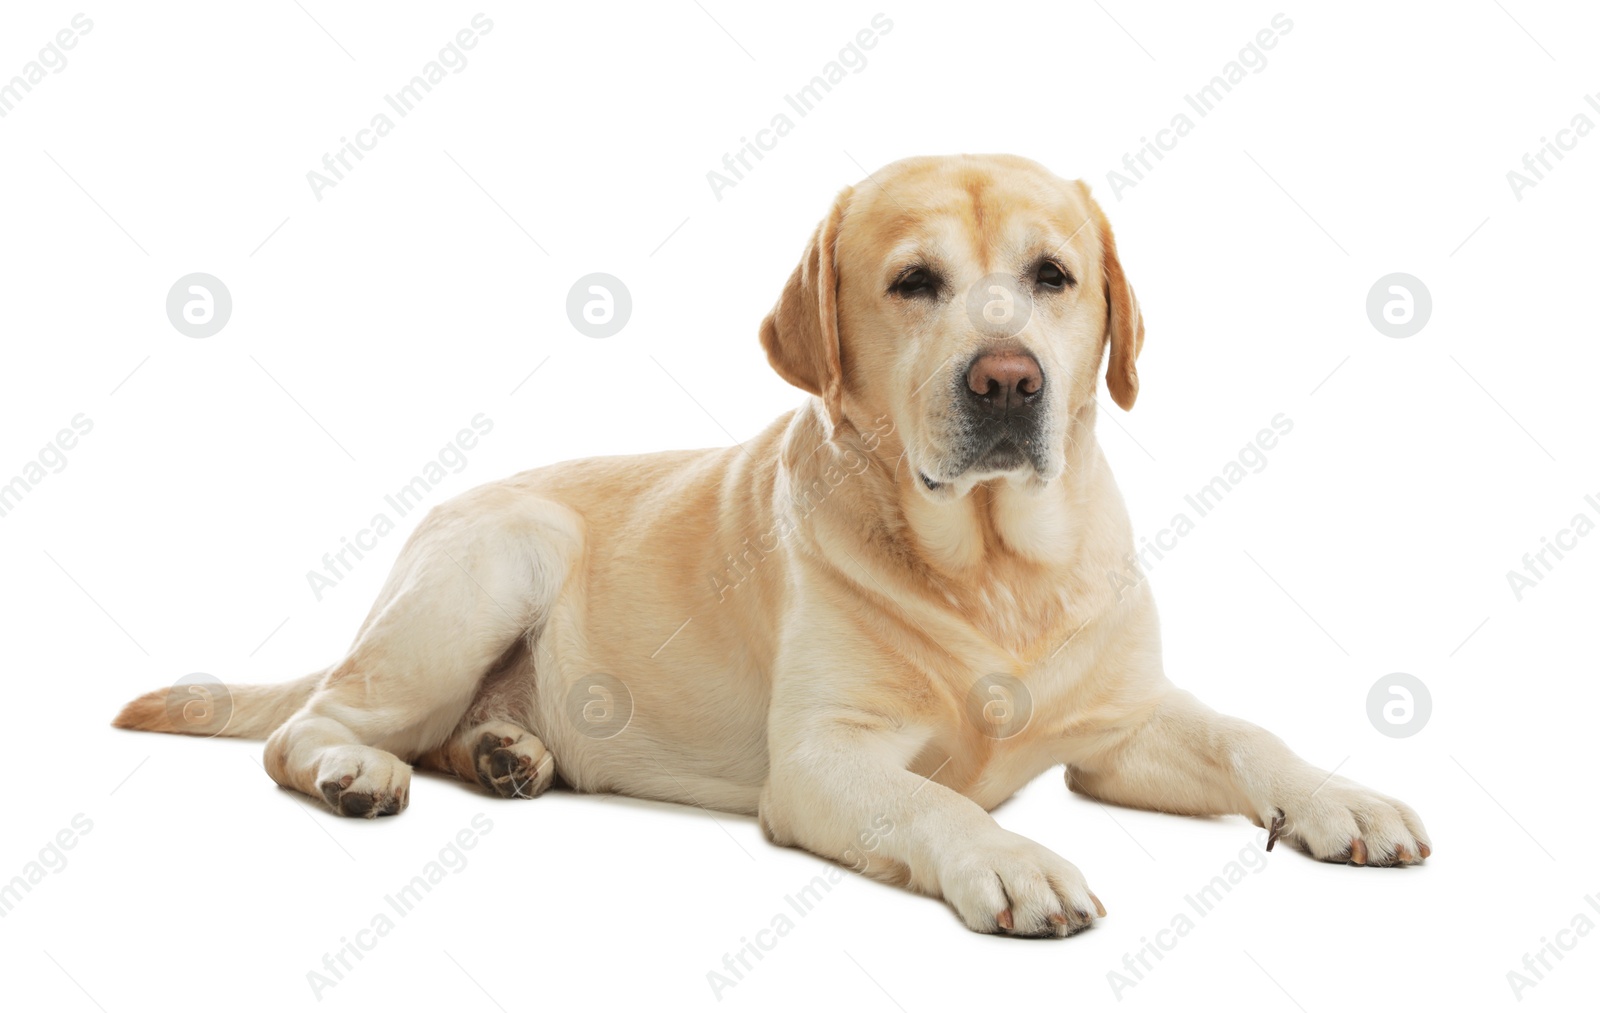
x: 1017, y: 520
x: 1014, y: 559
x: 1010, y: 553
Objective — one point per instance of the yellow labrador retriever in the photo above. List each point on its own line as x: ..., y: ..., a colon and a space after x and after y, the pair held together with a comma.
x: 868, y: 625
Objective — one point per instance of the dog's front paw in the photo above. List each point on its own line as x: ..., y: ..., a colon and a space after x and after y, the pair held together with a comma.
x: 1344, y: 822
x: 363, y: 781
x: 1011, y: 886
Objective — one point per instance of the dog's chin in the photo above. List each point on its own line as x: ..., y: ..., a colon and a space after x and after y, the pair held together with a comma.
x: 1005, y: 461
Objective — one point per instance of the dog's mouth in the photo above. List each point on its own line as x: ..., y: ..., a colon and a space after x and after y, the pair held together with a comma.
x: 1003, y: 456
x: 1000, y: 454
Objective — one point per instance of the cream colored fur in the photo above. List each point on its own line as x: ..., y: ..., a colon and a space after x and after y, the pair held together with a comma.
x: 794, y: 627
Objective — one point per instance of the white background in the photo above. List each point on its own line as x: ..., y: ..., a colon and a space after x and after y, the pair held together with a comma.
x: 369, y: 326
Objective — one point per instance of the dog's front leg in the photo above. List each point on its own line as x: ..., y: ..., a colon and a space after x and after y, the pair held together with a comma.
x: 839, y: 786
x: 1183, y: 757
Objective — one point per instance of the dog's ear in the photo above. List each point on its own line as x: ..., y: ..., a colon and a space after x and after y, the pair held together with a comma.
x: 1124, y: 322
x: 801, y: 334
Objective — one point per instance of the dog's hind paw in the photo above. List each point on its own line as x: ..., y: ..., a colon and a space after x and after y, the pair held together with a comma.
x: 511, y: 762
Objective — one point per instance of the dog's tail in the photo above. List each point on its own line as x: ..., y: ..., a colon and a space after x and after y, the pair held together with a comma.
x: 210, y: 708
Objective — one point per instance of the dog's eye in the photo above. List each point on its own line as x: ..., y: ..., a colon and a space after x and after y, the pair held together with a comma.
x: 917, y: 281
x: 1053, y: 276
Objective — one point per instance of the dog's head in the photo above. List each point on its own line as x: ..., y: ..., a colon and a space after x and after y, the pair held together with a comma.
x: 967, y: 299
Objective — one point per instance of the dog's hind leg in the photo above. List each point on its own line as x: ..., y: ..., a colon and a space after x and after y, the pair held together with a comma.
x: 478, y: 576
x: 492, y: 745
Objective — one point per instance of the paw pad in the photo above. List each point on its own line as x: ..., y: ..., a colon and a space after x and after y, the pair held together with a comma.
x: 512, y: 768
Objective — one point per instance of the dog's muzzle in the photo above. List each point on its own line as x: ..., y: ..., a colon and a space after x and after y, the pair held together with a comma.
x: 999, y: 408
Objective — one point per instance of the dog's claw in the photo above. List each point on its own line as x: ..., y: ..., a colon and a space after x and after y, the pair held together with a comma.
x: 1275, y: 830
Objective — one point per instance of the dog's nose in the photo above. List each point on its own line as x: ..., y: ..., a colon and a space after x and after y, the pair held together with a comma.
x: 1004, y: 380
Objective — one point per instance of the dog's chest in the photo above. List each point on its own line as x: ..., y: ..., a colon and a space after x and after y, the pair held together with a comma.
x: 1024, y: 621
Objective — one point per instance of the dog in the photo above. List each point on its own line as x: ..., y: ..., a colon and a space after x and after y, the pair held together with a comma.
x: 868, y: 625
